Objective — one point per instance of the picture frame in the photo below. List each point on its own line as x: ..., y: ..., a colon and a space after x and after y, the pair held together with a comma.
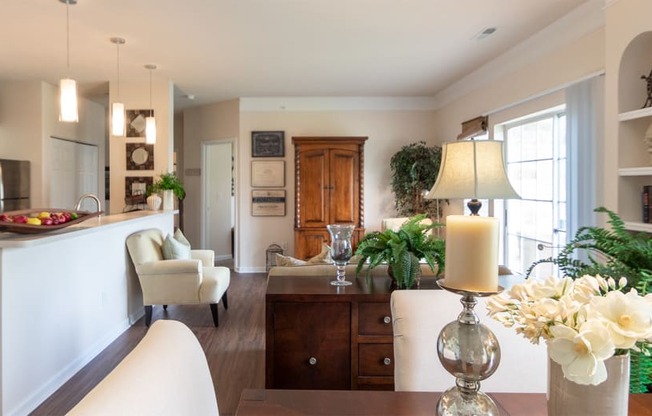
x: 267, y: 144
x: 136, y: 189
x: 140, y: 156
x: 267, y: 173
x: 136, y: 122
x: 268, y: 203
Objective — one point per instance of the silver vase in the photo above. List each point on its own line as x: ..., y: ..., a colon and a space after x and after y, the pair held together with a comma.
x: 609, y: 398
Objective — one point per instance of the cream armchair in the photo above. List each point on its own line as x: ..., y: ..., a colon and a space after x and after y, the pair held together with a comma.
x: 176, y: 282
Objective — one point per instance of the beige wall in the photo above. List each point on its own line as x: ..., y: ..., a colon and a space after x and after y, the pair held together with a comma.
x: 29, y: 116
x: 203, y: 124
x: 625, y: 20
x: 136, y: 96
x: 387, y: 131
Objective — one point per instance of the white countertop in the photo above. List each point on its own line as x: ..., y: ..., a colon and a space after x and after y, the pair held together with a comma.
x: 91, y: 225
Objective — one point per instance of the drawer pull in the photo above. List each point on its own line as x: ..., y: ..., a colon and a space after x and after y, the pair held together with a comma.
x: 387, y: 361
x: 387, y: 319
x: 312, y: 361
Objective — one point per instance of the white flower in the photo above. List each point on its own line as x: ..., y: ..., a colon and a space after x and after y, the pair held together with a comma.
x: 583, y: 321
x: 628, y: 317
x: 581, y: 354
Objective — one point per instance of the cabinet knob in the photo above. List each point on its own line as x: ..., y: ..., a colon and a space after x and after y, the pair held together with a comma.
x: 387, y: 319
x: 312, y: 361
x: 387, y: 361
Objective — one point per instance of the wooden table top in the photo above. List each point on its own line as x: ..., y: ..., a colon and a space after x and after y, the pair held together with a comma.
x: 365, y: 402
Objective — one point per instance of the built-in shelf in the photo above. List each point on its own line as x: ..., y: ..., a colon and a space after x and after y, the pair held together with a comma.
x: 643, y: 171
x: 638, y: 226
x: 635, y: 114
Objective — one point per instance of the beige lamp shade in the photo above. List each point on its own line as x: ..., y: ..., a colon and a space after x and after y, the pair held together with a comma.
x: 472, y: 169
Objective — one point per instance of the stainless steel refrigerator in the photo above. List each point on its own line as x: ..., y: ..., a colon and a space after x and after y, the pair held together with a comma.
x: 14, y: 185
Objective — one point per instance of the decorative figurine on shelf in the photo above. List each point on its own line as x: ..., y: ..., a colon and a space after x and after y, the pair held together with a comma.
x: 648, y: 79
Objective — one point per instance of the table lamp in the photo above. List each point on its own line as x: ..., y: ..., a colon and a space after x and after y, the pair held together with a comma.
x: 466, y: 348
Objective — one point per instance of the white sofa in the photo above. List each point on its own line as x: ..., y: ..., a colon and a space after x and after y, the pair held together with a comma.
x: 166, y: 374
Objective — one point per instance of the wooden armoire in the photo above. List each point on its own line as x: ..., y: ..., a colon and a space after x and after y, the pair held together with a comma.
x: 329, y: 189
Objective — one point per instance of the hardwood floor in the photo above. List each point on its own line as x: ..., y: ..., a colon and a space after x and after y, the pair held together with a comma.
x: 235, y: 350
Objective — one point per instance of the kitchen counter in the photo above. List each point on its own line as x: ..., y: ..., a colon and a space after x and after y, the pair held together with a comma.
x: 65, y: 295
x: 91, y: 225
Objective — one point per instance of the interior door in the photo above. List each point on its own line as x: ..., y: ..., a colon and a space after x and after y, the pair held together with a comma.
x: 219, y: 199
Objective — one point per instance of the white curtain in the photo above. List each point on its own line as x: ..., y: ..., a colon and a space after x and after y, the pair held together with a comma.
x: 584, y: 135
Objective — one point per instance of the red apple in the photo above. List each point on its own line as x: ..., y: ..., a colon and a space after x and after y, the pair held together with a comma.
x: 20, y: 219
x: 5, y: 218
x: 47, y: 221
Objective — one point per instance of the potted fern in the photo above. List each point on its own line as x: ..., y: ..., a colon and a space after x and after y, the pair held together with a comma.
x: 616, y: 253
x: 402, y: 251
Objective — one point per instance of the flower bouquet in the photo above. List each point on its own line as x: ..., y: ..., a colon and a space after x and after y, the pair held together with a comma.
x: 583, y: 321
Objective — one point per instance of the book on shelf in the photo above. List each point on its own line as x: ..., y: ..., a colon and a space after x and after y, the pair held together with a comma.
x: 645, y: 203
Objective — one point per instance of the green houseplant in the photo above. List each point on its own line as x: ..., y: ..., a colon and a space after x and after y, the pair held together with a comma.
x: 169, y: 182
x: 402, y: 250
x: 414, y: 170
x: 615, y: 253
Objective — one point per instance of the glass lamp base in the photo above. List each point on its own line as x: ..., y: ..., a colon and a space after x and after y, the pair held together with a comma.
x: 340, y: 283
x: 454, y: 402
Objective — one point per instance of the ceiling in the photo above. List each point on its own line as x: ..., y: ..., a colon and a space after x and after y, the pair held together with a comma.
x: 223, y: 49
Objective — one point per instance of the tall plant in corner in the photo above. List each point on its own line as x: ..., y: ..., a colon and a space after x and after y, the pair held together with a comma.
x: 414, y: 170
x: 612, y: 253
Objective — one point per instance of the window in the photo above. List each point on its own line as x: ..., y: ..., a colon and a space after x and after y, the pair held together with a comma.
x: 535, y: 225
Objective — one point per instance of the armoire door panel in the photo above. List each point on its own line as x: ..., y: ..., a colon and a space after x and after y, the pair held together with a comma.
x: 344, y: 186
x: 315, y: 188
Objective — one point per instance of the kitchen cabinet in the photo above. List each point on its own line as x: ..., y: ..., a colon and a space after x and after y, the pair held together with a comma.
x: 329, y: 189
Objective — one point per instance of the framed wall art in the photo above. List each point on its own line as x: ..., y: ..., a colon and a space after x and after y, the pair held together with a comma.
x: 267, y: 144
x: 136, y: 122
x: 140, y: 156
x: 268, y: 173
x: 136, y: 186
x: 268, y: 203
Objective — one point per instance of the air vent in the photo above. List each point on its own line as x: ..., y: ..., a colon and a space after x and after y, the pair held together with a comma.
x: 487, y: 31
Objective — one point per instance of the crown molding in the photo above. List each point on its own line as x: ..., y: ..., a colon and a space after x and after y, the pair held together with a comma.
x: 584, y: 19
x: 337, y: 104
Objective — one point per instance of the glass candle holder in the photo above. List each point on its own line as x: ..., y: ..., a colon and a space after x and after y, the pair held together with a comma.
x: 341, y: 250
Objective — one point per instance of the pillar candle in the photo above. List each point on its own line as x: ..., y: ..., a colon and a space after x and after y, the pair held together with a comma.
x: 472, y: 253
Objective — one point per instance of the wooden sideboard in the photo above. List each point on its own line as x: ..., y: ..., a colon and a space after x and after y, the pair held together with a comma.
x: 320, y: 336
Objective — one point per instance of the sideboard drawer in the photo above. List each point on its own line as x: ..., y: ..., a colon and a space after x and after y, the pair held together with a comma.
x: 374, y: 318
x: 376, y: 360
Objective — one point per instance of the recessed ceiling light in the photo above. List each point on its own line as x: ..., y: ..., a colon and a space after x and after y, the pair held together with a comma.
x: 487, y: 31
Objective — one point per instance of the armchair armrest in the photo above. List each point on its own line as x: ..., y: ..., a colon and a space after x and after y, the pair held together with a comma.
x: 207, y: 257
x: 169, y: 267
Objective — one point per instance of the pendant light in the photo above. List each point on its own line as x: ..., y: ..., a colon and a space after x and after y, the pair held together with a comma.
x: 68, y: 87
x: 118, y: 108
x: 150, y: 122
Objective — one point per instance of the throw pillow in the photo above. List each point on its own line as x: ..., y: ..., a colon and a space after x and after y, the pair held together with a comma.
x: 322, y: 258
x: 175, y: 250
x: 282, y: 260
x: 178, y: 235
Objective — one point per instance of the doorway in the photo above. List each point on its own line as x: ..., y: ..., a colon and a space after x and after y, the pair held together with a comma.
x: 218, y: 198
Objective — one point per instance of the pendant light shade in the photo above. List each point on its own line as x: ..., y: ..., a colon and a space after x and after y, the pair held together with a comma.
x: 150, y: 130
x: 150, y: 122
x: 118, y: 119
x: 68, y: 87
x: 68, y: 101
x: 118, y: 108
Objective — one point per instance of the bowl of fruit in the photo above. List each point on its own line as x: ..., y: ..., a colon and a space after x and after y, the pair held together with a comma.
x: 42, y: 220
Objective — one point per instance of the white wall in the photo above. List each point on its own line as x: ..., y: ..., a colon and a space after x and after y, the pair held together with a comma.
x: 29, y: 115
